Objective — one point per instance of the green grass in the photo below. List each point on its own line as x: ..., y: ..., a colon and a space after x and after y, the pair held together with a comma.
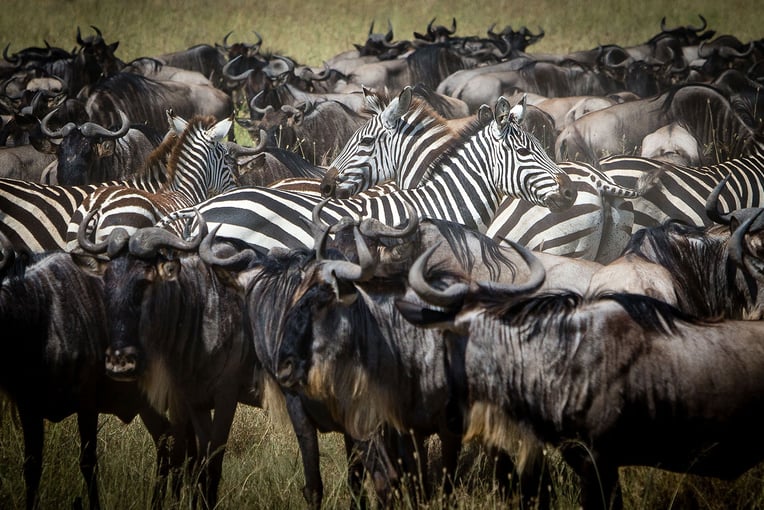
x: 312, y: 31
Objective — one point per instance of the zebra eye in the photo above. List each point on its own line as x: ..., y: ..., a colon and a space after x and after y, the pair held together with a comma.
x: 367, y: 140
x: 522, y: 151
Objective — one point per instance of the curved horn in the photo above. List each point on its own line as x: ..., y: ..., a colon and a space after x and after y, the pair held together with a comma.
x: 729, y: 52
x: 61, y: 133
x: 253, y: 105
x: 389, y: 34
x: 737, y: 240
x: 702, y: 52
x: 7, y: 253
x: 259, y: 41
x: 79, y: 38
x: 145, y: 242
x: 225, y: 41
x: 238, y: 77
x: 11, y: 60
x: 535, y: 280
x: 91, y: 129
x: 236, y: 150
x: 237, y: 262
x: 701, y: 28
x: 712, y: 204
x: 452, y: 295
x: 343, y: 269
x: 97, y: 31
x: 82, y: 239
x: 372, y: 227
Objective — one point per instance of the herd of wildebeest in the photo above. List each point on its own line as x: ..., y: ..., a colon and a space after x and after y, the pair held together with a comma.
x: 445, y: 235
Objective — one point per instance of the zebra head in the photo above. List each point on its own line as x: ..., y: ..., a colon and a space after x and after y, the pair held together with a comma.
x: 399, y: 141
x: 525, y: 170
x: 200, y: 161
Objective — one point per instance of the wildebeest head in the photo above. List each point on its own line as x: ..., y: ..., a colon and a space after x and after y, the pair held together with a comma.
x: 81, y: 147
x: 142, y: 269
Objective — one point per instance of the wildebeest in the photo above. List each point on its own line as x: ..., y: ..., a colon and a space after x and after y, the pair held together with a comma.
x: 54, y: 330
x: 88, y: 153
x: 191, y: 356
x: 700, y: 270
x: 613, y: 380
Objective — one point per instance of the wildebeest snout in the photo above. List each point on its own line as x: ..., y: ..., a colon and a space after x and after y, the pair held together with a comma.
x: 123, y: 364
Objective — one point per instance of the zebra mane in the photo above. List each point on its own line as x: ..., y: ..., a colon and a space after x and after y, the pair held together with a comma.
x: 175, y: 150
x: 462, y: 136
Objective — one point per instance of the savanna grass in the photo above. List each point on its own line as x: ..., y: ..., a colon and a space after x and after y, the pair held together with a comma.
x: 262, y: 467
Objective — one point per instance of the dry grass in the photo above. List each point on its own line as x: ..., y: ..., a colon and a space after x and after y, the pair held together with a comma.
x: 262, y: 468
x: 312, y: 31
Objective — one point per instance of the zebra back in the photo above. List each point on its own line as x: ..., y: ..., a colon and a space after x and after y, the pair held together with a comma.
x: 468, y: 180
x: 198, y: 167
x: 35, y: 217
x: 680, y: 193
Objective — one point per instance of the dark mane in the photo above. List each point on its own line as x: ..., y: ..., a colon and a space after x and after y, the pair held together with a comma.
x: 491, y: 254
x: 536, y: 314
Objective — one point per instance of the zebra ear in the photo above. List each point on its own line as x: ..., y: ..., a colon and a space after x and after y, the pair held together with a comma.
x: 397, y: 108
x: 220, y: 130
x: 178, y: 124
x: 501, y: 112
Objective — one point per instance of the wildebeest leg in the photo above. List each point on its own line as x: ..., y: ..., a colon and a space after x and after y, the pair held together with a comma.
x: 159, y: 428
x: 307, y: 439
x: 32, y: 426
x: 451, y: 446
x: 225, y: 408
x: 87, y: 424
x: 600, y: 488
x: 534, y: 476
x: 355, y: 474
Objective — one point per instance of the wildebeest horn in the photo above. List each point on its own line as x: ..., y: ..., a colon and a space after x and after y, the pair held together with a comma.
x: 112, y: 245
x: 728, y: 52
x: 712, y: 204
x: 145, y: 242
x: 239, y: 261
x: 253, y: 105
x: 91, y: 129
x: 235, y: 150
x: 238, y: 77
x: 14, y: 60
x: 61, y: 133
x: 79, y: 38
x: 372, y: 227
x: 259, y: 39
x: 225, y: 41
x: 7, y: 253
x: 452, y: 295
x: 535, y: 280
x: 737, y: 240
x: 344, y: 270
x: 700, y: 28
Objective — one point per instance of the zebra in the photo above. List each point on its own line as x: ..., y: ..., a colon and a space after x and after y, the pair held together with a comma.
x: 680, y: 192
x: 198, y: 167
x: 35, y: 217
x: 599, y: 219
x: 467, y: 181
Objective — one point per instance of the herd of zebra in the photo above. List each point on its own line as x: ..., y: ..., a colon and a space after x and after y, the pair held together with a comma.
x: 436, y: 276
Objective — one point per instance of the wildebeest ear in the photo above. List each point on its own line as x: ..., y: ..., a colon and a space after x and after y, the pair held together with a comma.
x: 89, y: 263
x: 168, y: 269
x: 105, y: 148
